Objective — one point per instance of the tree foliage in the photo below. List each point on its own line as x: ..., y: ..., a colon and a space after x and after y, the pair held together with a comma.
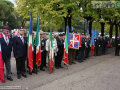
x: 6, y: 8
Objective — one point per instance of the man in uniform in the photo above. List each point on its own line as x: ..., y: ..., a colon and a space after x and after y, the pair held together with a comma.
x: 104, y: 44
x: 117, y: 46
x: 20, y: 52
x: 6, y: 47
x: 45, y: 38
x: 71, y: 55
x: 43, y: 51
x: 88, y: 47
x: 55, y: 48
x: 80, y: 52
x: 34, y: 56
x: 59, y: 57
x: 83, y: 47
x: 101, y: 45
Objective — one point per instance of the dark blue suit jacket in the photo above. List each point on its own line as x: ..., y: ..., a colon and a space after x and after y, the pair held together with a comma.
x: 60, y: 46
x: 19, y: 48
x: 6, y: 49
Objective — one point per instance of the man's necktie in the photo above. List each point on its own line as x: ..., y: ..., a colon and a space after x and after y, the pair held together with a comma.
x: 6, y: 40
x: 22, y: 40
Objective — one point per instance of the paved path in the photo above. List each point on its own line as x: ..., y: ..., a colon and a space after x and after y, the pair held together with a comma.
x: 97, y: 73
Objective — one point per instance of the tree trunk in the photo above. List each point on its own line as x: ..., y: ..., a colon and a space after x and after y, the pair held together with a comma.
x: 65, y: 19
x: 119, y: 28
x: 68, y: 21
x: 90, y: 28
x: 102, y: 28
x: 111, y: 29
x: 116, y: 29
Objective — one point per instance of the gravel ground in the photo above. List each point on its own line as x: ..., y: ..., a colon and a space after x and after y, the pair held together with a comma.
x: 97, y: 73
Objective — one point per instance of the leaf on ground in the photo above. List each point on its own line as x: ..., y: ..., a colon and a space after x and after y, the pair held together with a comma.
x: 26, y: 87
x: 92, y: 81
x: 55, y: 80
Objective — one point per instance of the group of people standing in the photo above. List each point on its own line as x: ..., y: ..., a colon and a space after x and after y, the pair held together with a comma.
x: 19, y: 45
x: 100, y: 48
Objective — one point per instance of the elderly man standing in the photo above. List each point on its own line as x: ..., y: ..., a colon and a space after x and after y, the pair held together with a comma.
x: 6, y: 46
x: 20, y: 52
x: 60, y: 45
x: 55, y: 47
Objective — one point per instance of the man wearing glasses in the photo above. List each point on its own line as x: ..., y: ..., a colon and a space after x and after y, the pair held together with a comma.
x: 20, y: 52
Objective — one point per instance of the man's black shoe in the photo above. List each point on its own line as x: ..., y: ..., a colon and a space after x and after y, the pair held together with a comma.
x: 61, y: 67
x: 30, y: 73
x: 9, y: 78
x: 18, y: 76
x: 57, y: 67
x: 42, y: 69
x: 24, y: 75
x: 73, y: 62
x: 45, y: 66
x: 70, y: 63
x: 80, y: 61
x: 34, y: 71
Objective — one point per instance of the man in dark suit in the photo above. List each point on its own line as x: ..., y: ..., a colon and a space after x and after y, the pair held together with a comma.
x: 83, y: 46
x: 117, y: 44
x: 104, y: 44
x: 97, y: 45
x: 101, y: 45
x: 60, y: 44
x: 20, y: 52
x: 85, y: 49
x: 80, y: 52
x: 43, y: 51
x: 88, y: 47
x: 34, y: 56
x: 45, y: 38
x: 6, y: 47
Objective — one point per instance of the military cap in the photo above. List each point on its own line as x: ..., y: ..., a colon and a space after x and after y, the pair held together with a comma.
x: 60, y: 34
x: 6, y: 27
x: 63, y: 34
x: 41, y: 32
x: 20, y: 27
